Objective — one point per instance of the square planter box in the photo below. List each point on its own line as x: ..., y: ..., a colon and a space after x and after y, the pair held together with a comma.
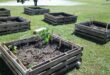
x: 4, y: 12
x: 59, y: 18
x: 35, y: 10
x: 33, y: 57
x: 98, y: 31
x: 13, y: 24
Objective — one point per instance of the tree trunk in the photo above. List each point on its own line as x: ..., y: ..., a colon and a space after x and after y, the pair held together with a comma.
x: 22, y: 1
x: 35, y: 2
x: 18, y: 0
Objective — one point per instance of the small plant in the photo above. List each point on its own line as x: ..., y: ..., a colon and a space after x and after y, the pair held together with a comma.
x: 13, y: 48
x: 45, y: 35
x: 30, y: 65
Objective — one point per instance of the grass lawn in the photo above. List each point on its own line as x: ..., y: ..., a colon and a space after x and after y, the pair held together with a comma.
x: 96, y: 57
x: 5, y: 0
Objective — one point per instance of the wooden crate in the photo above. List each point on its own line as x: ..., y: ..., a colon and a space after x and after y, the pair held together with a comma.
x: 96, y: 30
x: 53, y: 66
x: 35, y: 10
x: 4, y: 12
x: 13, y: 24
x: 59, y: 18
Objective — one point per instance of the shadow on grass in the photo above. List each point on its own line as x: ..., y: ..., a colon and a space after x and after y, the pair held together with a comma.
x: 4, y: 69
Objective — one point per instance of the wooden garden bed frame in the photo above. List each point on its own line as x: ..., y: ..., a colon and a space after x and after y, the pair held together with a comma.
x: 54, y: 66
x: 35, y: 10
x: 4, y: 12
x: 59, y: 18
x: 13, y: 24
x: 94, y: 33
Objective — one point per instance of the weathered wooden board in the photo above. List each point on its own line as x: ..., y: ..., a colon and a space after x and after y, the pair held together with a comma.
x: 53, y: 66
x: 4, y: 12
x: 59, y: 18
x: 35, y: 10
x: 13, y: 24
x: 100, y: 31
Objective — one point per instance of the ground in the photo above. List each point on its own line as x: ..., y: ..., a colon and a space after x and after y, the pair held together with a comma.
x: 95, y: 56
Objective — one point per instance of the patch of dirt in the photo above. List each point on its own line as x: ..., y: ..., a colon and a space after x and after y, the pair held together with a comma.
x: 60, y: 16
x: 98, y: 27
x: 35, y: 54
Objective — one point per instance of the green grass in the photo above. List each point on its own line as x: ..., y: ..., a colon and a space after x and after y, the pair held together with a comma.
x: 95, y: 57
x: 5, y: 0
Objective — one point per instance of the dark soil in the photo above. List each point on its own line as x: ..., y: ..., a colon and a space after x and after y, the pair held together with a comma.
x: 34, y: 54
x: 35, y: 8
x: 60, y: 16
x: 98, y: 27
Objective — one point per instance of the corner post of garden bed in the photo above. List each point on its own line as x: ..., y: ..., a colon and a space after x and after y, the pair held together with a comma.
x: 107, y: 27
x: 12, y: 59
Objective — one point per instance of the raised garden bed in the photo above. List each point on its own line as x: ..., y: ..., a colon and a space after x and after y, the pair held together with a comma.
x: 59, y: 18
x: 35, y: 10
x: 33, y: 57
x: 4, y: 12
x: 13, y: 24
x: 98, y: 31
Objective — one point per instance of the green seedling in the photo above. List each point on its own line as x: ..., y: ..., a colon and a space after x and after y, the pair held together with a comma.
x: 30, y: 65
x: 13, y: 48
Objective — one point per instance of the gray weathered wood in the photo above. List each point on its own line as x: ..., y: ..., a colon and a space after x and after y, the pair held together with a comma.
x: 59, y: 18
x: 4, y: 12
x: 35, y: 10
x: 13, y: 24
x: 97, y: 34
x: 52, y: 66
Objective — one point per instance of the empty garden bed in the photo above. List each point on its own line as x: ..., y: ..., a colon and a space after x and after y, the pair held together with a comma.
x: 59, y: 18
x: 35, y: 10
x: 4, y: 12
x: 33, y: 56
x: 13, y: 24
x: 98, y: 31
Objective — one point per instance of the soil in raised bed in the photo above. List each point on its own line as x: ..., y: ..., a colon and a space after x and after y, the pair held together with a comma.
x: 98, y: 27
x: 93, y: 26
x: 35, y: 7
x: 35, y: 53
x: 60, y: 15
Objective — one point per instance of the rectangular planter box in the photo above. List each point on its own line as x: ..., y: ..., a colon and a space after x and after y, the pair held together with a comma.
x: 95, y: 30
x: 35, y: 10
x: 59, y: 18
x: 52, y: 59
x: 13, y: 24
x: 4, y: 12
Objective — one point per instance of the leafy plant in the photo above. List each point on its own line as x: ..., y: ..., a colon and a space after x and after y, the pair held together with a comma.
x: 30, y: 65
x: 13, y: 48
x: 45, y: 35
